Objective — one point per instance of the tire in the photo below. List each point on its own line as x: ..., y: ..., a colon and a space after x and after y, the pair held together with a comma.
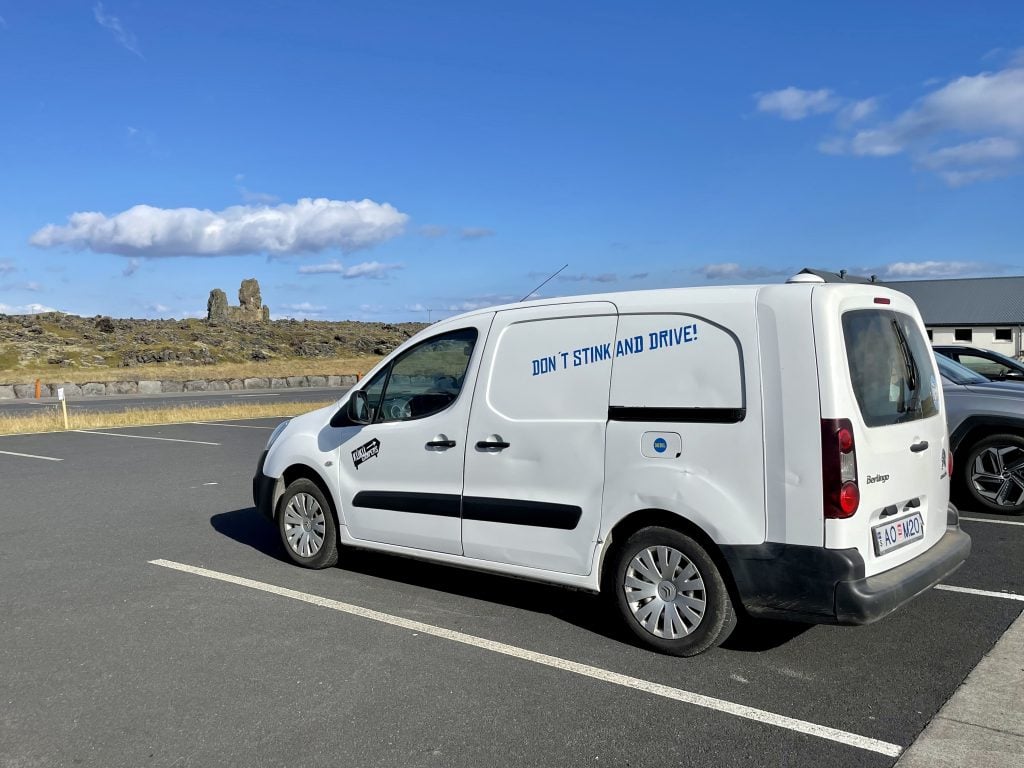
x: 993, y: 473
x: 305, y: 522
x: 683, y: 615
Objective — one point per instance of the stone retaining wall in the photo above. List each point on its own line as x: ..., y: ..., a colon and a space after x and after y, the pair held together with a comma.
x: 157, y: 386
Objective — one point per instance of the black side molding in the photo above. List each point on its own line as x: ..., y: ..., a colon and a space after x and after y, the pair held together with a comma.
x: 541, y: 514
x: 687, y: 415
x: 441, y: 504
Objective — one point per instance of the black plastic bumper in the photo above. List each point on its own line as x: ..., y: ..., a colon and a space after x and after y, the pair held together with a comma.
x: 866, y: 600
x: 263, y: 490
x: 828, y: 586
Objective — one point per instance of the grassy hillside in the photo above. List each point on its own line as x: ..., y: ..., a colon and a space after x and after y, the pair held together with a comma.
x: 59, y: 347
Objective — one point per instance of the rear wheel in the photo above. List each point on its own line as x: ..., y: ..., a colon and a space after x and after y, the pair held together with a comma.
x: 669, y: 592
x: 306, y: 524
x: 994, y: 473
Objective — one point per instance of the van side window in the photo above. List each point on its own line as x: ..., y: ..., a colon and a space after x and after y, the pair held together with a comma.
x: 375, y: 389
x: 890, y: 367
x: 426, y: 379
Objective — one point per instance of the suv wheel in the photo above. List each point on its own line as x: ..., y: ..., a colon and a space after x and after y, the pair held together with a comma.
x: 994, y: 473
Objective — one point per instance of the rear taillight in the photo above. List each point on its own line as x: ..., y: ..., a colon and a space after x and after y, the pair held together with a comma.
x: 949, y: 463
x: 841, y: 496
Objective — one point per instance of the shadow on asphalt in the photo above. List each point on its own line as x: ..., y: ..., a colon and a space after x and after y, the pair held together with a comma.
x: 581, y: 609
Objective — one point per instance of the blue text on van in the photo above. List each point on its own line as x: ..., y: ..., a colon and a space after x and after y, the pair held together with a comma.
x: 594, y: 353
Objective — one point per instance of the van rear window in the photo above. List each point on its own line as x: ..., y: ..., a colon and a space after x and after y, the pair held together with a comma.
x: 890, y: 367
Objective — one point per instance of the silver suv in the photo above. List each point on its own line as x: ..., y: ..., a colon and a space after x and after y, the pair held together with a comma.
x: 986, y: 427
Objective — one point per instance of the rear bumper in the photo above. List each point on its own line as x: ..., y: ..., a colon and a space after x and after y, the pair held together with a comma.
x: 828, y: 586
x: 866, y: 600
x: 263, y: 490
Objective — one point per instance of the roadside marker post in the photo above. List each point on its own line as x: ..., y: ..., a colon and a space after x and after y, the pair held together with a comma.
x: 63, y: 405
x: 39, y: 389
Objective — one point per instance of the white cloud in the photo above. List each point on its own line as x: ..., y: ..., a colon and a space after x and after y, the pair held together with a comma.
x: 993, y: 149
x: 988, y: 108
x: 304, y: 306
x: 7, y: 266
x: 475, y: 233
x: 732, y: 271
x: 25, y: 309
x: 132, y: 268
x: 433, y: 230
x: 583, y: 277
x: 157, y: 308
x: 856, y: 111
x: 373, y: 270
x: 108, y: 21
x: 308, y: 226
x: 795, y: 103
x: 31, y: 286
x: 926, y: 269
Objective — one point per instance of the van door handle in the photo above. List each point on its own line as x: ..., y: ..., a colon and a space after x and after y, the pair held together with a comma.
x: 497, y: 445
x: 918, y: 447
x: 441, y: 443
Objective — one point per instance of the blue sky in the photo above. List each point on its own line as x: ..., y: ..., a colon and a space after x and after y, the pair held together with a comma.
x: 375, y: 160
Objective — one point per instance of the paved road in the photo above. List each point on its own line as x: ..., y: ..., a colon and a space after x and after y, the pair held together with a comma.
x: 109, y: 660
x: 124, y: 402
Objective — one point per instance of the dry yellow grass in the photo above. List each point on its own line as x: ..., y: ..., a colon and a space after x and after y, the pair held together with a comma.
x: 50, y: 419
x: 331, y: 366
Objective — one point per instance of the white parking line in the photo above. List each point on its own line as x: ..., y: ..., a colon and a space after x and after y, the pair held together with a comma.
x: 30, y: 456
x: 981, y: 592
x: 143, y: 437
x: 237, y: 426
x: 997, y: 522
x: 645, y: 686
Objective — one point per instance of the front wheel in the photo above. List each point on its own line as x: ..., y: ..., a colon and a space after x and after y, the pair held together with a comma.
x: 306, y: 525
x: 670, y: 593
x: 994, y: 473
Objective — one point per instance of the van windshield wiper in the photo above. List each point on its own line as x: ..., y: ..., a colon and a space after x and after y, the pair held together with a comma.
x: 911, y: 366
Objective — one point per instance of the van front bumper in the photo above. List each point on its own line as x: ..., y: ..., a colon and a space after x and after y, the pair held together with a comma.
x: 263, y: 490
x: 828, y: 586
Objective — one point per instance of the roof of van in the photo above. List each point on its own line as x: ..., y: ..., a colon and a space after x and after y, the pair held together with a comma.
x: 627, y: 300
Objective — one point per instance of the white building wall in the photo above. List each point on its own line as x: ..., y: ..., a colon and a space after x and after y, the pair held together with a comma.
x: 982, y: 336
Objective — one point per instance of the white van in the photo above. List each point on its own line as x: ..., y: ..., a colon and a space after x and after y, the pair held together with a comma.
x: 780, y: 448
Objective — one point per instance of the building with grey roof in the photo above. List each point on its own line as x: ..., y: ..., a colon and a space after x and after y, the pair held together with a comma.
x: 985, y: 312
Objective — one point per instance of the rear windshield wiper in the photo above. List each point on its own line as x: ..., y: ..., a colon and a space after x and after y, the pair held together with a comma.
x: 911, y: 366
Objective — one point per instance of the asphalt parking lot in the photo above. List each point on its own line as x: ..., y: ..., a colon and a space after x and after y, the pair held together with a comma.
x: 224, y: 654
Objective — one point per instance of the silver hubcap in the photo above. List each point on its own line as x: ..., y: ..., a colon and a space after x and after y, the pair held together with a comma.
x: 304, y: 525
x: 665, y: 592
x: 998, y: 475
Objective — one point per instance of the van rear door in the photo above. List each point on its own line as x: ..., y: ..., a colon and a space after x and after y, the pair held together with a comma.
x: 879, y: 386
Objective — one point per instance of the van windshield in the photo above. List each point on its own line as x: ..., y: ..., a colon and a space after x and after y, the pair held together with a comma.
x: 890, y: 367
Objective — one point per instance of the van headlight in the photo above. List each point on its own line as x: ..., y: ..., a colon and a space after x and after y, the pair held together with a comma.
x: 276, y: 433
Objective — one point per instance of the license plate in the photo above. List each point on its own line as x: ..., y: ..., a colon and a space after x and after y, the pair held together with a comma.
x: 898, y: 533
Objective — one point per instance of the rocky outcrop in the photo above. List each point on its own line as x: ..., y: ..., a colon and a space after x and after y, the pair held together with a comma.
x: 250, y: 307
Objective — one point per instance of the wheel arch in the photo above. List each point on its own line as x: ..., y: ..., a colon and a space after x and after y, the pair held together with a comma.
x: 975, y: 428
x: 643, y: 518
x: 304, y: 471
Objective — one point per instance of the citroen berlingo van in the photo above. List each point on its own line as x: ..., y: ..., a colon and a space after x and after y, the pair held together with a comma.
x: 779, y: 450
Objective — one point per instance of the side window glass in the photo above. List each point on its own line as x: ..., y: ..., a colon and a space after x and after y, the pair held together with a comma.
x: 375, y: 390
x: 428, y: 378
x: 984, y: 366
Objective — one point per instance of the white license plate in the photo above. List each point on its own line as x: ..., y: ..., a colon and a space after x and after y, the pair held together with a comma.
x: 894, y: 535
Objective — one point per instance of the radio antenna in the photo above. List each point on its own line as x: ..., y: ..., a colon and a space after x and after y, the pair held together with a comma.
x: 552, y: 277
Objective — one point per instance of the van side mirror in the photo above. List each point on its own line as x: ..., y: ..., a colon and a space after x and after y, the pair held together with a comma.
x: 355, y: 413
x: 358, y: 409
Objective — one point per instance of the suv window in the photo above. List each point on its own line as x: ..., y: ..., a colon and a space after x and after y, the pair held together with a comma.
x: 424, y: 380
x: 890, y: 367
x: 984, y: 365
